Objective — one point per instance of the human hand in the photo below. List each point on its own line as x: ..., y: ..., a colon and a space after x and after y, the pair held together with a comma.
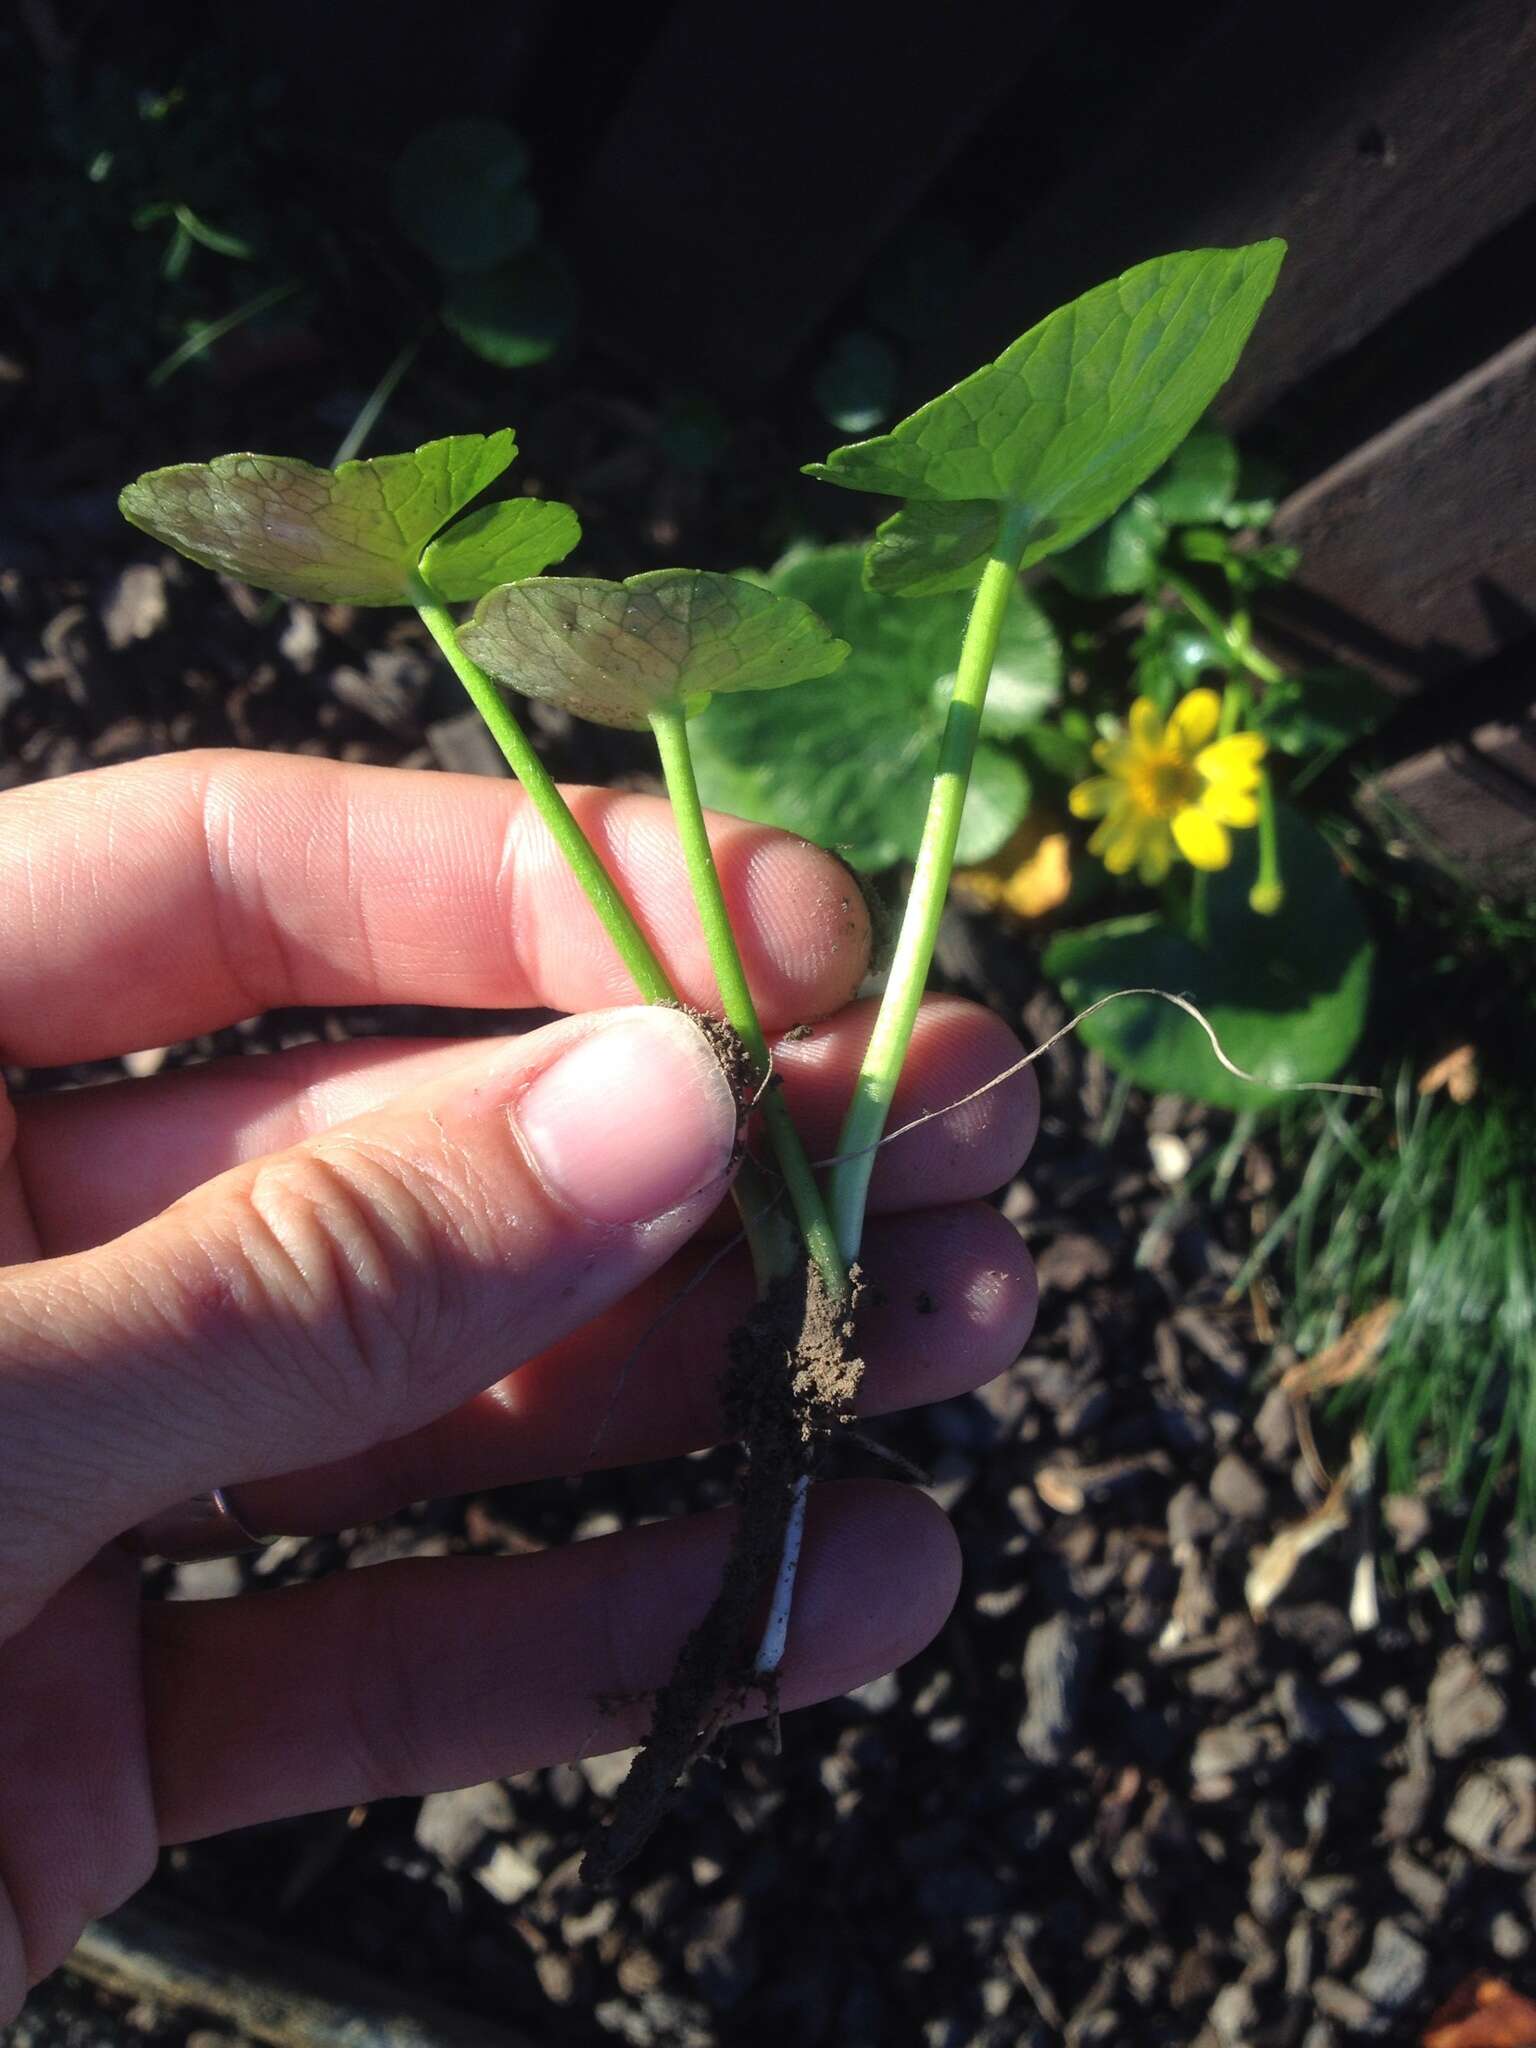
x: 297, y: 1275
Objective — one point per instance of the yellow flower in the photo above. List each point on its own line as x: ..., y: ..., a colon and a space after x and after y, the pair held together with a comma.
x: 1170, y: 787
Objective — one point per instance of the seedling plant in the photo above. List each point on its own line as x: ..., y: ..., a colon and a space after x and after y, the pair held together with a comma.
x: 1015, y: 464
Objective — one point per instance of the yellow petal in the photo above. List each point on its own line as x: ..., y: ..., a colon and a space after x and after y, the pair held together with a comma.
x: 1236, y: 758
x: 1145, y: 723
x: 1230, y: 805
x: 1091, y: 799
x: 1112, y: 754
x: 1156, y: 855
x: 1118, y: 842
x: 1193, y: 719
x: 1202, y: 841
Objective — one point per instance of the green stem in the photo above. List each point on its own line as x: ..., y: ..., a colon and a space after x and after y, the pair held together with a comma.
x: 1268, y: 892
x: 768, y: 1238
x: 1237, y: 645
x: 1200, y: 908
x: 848, y: 1186
x: 618, y: 920
x: 671, y: 729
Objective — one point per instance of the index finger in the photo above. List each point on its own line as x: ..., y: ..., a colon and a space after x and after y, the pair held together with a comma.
x: 149, y: 902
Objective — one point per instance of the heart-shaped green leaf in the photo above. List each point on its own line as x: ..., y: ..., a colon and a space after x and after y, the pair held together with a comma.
x: 849, y: 761
x: 616, y: 652
x: 1285, y: 995
x: 1082, y: 409
x: 499, y: 544
x: 352, y: 535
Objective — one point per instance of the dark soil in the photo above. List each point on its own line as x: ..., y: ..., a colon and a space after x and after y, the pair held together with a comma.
x: 1104, y: 1805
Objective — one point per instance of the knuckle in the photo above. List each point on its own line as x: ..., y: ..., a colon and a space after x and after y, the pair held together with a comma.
x: 341, y: 1246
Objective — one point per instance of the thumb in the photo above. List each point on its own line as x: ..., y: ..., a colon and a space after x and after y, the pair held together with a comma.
x: 305, y: 1306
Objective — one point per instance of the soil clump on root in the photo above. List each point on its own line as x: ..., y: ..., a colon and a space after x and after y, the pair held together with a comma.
x: 789, y: 1386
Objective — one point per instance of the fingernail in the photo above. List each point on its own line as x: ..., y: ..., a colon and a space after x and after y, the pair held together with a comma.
x: 631, y: 1121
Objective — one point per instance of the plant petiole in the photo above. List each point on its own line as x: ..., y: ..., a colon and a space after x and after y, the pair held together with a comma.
x: 670, y: 726
x: 848, y: 1186
x: 771, y: 1243
x: 538, y: 784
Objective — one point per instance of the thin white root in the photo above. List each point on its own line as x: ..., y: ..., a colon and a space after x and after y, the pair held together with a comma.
x: 770, y: 1653
x: 1116, y: 995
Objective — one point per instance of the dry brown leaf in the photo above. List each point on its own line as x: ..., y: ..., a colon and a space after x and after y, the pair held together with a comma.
x: 1457, y: 1074
x: 1483, y: 2013
x: 1030, y: 876
x: 1274, y: 1563
x: 1347, y: 1357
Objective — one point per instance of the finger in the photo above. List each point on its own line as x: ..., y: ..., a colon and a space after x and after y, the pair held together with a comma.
x: 77, y: 1828
x: 948, y: 1304
x: 98, y: 1161
x: 410, y: 1677
x: 967, y: 1143
x: 352, y: 1287
x: 202, y: 888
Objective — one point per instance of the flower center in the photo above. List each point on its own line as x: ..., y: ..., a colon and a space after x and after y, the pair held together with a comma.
x: 1161, y: 784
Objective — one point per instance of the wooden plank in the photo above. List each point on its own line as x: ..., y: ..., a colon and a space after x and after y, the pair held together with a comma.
x: 272, y: 1990
x: 1385, y: 142
x: 1419, y: 549
x: 752, y: 175
x: 1474, y: 802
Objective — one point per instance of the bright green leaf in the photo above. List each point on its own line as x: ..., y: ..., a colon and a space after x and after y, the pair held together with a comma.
x: 514, y: 316
x: 499, y: 544
x: 459, y: 194
x: 1120, y: 558
x: 1285, y: 995
x: 616, y: 652
x: 849, y: 761
x: 1198, y: 481
x: 351, y: 535
x: 1082, y: 409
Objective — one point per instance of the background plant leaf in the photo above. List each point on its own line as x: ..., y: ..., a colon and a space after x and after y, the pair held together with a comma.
x: 1198, y: 482
x: 499, y: 544
x: 516, y: 315
x: 1026, y: 674
x: 1286, y: 995
x: 1320, y: 710
x: 459, y: 193
x: 1082, y: 409
x: 351, y: 535
x: 1121, y: 558
x: 856, y: 385
x: 616, y: 652
x: 849, y: 760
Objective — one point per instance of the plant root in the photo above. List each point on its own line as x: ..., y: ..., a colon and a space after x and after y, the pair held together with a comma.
x: 788, y: 1387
